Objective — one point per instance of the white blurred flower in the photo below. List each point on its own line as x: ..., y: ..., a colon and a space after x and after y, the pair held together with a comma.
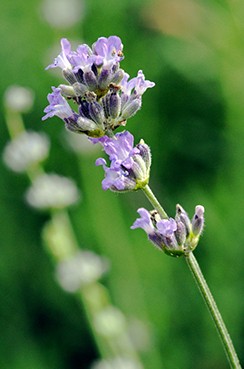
x: 63, y: 13
x: 25, y: 150
x: 110, y: 322
x: 117, y: 363
x: 52, y: 191
x: 84, y: 268
x: 19, y: 98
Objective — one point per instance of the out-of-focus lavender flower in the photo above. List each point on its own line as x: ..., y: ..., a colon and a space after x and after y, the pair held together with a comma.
x: 82, y: 269
x: 110, y: 322
x: 174, y: 236
x: 63, y: 13
x: 26, y: 150
x: 18, y: 98
x: 104, y: 95
x: 52, y: 191
x: 130, y: 166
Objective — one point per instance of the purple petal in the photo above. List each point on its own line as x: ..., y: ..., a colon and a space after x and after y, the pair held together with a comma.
x: 108, y: 49
x: 167, y: 227
x: 141, y: 84
x: 57, y: 105
x: 144, y: 222
x: 62, y: 59
x: 137, y: 84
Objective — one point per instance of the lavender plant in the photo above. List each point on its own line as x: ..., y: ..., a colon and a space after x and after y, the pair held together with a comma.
x: 104, y: 98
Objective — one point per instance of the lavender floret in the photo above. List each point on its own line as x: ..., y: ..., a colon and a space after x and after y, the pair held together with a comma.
x: 57, y: 105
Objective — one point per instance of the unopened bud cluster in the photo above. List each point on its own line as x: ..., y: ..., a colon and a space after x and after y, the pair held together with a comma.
x: 175, y: 236
x: 102, y: 92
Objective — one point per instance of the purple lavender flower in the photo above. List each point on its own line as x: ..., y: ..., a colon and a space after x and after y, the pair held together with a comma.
x: 62, y: 60
x: 171, y: 235
x: 132, y: 92
x: 57, y: 106
x: 130, y: 166
x: 145, y: 222
x: 161, y: 232
x: 108, y: 50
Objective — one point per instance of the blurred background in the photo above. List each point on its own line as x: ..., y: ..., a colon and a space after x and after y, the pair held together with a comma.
x: 145, y: 311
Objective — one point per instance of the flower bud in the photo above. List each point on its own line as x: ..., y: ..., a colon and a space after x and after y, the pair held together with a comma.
x: 118, y: 76
x: 112, y: 104
x: 80, y: 89
x: 181, y: 215
x: 86, y: 124
x: 104, y: 79
x: 180, y: 233
x: 198, y: 220
x: 69, y: 76
x: 131, y: 108
x: 90, y: 80
x: 68, y: 91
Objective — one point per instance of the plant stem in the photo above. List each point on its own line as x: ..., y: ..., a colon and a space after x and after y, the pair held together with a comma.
x: 214, y: 311
x: 153, y: 200
x: 205, y: 291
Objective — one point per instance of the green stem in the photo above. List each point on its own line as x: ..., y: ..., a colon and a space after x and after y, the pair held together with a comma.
x: 214, y: 311
x: 205, y: 291
x: 153, y: 200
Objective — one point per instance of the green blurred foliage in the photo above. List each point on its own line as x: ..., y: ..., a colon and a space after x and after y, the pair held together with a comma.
x: 193, y: 122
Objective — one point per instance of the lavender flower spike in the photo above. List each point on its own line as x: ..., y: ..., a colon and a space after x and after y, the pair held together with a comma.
x: 101, y: 90
x: 130, y: 166
x: 175, y: 237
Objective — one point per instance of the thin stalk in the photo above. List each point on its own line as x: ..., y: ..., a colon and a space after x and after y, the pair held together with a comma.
x: 153, y: 200
x: 214, y: 311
